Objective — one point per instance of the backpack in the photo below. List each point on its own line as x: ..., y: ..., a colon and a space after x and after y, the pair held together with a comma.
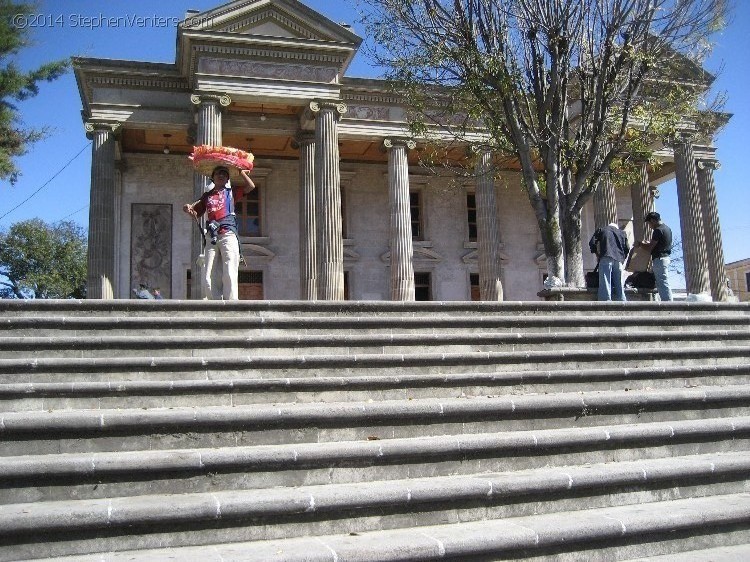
x: 592, y: 278
x: 641, y: 280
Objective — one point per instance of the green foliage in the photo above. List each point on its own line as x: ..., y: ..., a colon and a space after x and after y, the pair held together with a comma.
x: 43, y: 261
x: 17, y: 85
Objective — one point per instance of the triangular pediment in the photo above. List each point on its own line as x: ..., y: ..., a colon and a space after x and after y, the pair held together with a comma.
x: 270, y: 18
x: 264, y: 40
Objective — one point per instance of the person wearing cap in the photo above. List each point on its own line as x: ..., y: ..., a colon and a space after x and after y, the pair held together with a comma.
x: 223, y: 254
x: 610, y: 244
x: 660, y: 247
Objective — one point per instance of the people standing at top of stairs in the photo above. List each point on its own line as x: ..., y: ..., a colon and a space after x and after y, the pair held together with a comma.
x: 142, y: 292
x: 661, y: 250
x: 223, y: 254
x: 610, y: 244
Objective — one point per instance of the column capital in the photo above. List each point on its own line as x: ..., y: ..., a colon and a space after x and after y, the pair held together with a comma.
x: 93, y: 126
x: 222, y: 99
x: 473, y: 149
x: 707, y: 164
x: 318, y: 105
x: 392, y: 142
x: 683, y: 135
x: 303, y: 137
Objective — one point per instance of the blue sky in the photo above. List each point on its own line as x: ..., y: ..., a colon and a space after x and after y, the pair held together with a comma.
x: 66, y: 28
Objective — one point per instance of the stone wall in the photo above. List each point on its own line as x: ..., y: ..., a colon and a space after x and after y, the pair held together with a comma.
x: 163, y: 179
x: 444, y: 251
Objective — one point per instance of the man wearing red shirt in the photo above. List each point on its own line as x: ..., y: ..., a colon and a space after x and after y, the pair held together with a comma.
x: 223, y: 254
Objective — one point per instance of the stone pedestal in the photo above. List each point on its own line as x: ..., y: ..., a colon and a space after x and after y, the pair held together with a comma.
x: 584, y: 294
x: 330, y: 243
x: 488, y: 235
x: 101, y: 243
x: 402, y: 251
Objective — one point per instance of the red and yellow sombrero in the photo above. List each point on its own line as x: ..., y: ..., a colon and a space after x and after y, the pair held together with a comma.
x: 206, y: 157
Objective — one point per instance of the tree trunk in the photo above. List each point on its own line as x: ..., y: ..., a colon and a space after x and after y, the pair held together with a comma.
x: 553, y: 247
x: 547, y: 212
x: 573, y: 249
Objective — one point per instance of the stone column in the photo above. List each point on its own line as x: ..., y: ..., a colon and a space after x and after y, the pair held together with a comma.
x: 100, y: 279
x: 402, y: 250
x: 691, y: 218
x: 605, y: 203
x: 330, y: 243
x: 122, y: 291
x: 488, y: 235
x: 208, y: 120
x: 308, y: 261
x: 714, y: 246
x: 642, y: 200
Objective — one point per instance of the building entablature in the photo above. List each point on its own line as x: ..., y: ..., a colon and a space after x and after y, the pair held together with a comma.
x: 282, y: 34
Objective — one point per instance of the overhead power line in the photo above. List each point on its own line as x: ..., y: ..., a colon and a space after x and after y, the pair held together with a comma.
x: 69, y: 162
x: 74, y: 213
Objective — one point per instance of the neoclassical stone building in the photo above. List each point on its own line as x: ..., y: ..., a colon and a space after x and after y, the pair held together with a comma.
x: 738, y: 273
x: 342, y: 209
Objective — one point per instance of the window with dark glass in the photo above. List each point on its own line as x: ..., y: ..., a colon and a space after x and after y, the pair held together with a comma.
x: 422, y: 290
x: 249, y: 220
x: 471, y: 215
x: 747, y: 280
x: 474, y: 281
x: 415, y: 206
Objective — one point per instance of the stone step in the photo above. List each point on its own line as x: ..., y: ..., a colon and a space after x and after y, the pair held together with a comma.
x: 342, y: 344
x: 155, y: 324
x: 286, y: 346
x: 128, y: 429
x: 626, y: 526
x: 205, y: 425
x: 237, y: 391
x: 736, y: 553
x: 16, y: 309
x: 90, y: 475
x: 209, y: 366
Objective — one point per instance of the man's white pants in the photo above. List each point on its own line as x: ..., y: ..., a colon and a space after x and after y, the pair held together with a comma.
x: 222, y: 263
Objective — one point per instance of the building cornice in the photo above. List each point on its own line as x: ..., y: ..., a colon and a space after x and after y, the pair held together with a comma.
x: 291, y: 14
x: 247, y: 47
x: 112, y: 73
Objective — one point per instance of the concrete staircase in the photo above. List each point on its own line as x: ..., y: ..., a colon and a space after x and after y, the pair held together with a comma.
x: 160, y: 430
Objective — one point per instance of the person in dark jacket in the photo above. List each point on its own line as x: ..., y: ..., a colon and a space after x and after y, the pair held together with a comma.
x: 660, y: 247
x: 610, y: 244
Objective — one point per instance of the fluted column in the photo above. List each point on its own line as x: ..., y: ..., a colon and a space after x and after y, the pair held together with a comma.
x: 209, y: 131
x: 402, y: 250
x: 714, y: 246
x: 605, y: 203
x: 307, y: 235
x: 330, y: 242
x: 691, y: 218
x: 642, y: 200
x: 488, y: 235
x: 100, y: 278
